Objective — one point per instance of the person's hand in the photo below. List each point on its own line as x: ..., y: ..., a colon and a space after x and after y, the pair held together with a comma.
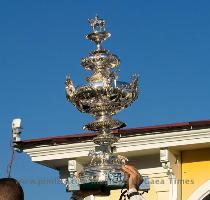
x: 134, y: 177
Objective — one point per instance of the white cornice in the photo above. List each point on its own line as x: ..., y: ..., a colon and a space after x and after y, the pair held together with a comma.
x: 144, y: 143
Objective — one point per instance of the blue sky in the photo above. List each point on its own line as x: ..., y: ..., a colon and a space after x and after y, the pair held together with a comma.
x: 166, y: 42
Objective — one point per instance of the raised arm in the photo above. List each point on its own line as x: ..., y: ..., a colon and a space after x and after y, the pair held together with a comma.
x: 134, y: 180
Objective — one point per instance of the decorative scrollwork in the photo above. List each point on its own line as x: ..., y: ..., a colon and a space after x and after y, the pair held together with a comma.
x: 70, y: 89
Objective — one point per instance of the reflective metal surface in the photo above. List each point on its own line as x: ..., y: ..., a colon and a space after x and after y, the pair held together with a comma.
x: 102, y: 97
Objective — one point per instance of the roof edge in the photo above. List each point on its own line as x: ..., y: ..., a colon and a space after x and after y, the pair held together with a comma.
x: 82, y: 137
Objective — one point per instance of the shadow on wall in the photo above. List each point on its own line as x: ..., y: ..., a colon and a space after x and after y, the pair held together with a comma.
x: 197, y: 155
x: 144, y: 162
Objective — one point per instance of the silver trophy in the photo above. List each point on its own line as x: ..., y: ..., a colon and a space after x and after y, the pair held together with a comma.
x: 102, y: 97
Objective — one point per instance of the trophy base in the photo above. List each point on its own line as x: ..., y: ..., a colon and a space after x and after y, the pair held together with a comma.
x: 104, y: 178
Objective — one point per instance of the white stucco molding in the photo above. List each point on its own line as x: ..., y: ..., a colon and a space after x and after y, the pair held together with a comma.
x: 171, y: 161
x: 201, y: 192
x: 143, y: 143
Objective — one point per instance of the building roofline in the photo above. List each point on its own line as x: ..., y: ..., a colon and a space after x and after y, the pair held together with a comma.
x: 122, y: 132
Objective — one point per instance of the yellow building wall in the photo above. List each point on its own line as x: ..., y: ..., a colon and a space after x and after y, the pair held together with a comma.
x: 195, y: 170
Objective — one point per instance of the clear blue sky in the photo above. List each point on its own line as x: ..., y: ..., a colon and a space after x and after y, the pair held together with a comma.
x: 166, y: 42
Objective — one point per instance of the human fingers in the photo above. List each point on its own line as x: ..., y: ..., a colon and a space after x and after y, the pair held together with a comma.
x: 137, y: 174
x: 127, y: 171
x: 124, y: 169
x: 131, y: 170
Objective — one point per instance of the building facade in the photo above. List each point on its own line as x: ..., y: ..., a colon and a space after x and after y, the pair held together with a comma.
x: 176, y: 157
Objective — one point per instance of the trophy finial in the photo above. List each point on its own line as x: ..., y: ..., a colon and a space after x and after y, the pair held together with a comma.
x: 97, y: 24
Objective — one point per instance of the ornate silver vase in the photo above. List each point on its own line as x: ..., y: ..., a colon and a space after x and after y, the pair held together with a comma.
x: 102, y: 97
